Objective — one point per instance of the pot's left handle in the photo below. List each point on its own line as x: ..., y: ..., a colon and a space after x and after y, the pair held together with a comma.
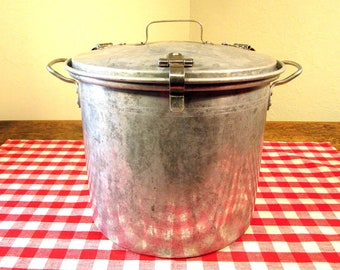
x: 60, y: 76
x: 56, y: 73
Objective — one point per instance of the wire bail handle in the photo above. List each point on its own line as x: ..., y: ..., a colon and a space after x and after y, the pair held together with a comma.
x: 172, y: 21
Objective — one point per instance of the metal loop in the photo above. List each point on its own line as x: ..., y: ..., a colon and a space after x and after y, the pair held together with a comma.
x: 56, y: 73
x: 285, y: 80
x: 166, y: 21
x: 290, y: 77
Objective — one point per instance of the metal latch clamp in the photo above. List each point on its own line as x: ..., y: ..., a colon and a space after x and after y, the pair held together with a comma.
x: 176, y: 63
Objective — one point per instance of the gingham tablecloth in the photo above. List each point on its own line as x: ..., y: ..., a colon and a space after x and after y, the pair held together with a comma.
x: 45, y: 217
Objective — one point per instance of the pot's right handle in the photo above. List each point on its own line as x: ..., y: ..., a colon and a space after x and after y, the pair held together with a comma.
x: 285, y: 80
x: 290, y: 77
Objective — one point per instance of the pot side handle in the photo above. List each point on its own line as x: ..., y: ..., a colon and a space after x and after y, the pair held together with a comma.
x: 290, y: 77
x: 285, y: 80
x: 51, y: 70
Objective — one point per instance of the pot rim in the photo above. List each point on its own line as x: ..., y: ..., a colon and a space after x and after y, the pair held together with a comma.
x: 161, y: 83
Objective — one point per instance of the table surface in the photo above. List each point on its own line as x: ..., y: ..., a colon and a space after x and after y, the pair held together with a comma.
x: 46, y: 219
x: 71, y: 130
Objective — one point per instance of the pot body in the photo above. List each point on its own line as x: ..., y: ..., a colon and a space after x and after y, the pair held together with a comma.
x: 173, y: 185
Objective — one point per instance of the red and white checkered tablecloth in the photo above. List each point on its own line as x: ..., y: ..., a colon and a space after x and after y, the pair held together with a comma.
x: 46, y: 223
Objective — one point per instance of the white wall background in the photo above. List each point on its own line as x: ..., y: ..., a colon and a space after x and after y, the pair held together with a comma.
x: 37, y: 31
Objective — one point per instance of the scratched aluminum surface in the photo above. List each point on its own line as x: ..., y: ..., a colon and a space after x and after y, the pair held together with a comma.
x: 173, y: 185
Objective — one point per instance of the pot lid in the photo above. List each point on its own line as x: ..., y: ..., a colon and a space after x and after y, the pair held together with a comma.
x: 140, y: 63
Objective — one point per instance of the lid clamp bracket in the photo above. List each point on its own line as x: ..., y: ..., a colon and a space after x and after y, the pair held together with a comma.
x: 176, y: 63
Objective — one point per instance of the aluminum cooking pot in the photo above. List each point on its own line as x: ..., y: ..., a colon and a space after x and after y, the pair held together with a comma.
x: 173, y: 136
